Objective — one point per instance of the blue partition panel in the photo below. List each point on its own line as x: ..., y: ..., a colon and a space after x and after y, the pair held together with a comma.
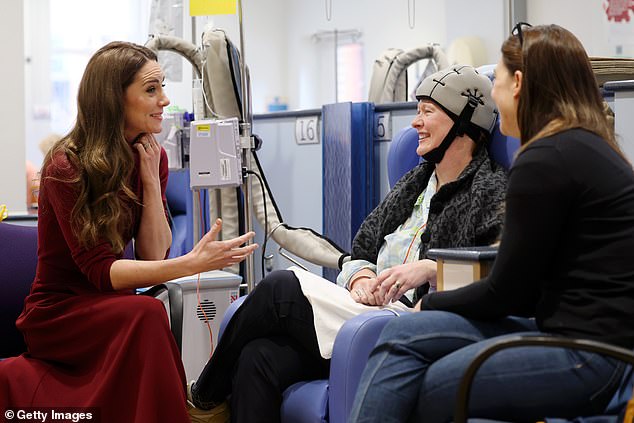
x: 350, y: 186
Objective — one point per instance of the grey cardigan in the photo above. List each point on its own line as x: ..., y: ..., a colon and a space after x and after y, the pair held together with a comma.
x: 463, y: 213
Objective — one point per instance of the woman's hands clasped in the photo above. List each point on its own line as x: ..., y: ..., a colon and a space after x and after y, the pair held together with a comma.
x: 364, y: 289
x: 391, y: 284
x: 396, y: 281
x: 210, y: 254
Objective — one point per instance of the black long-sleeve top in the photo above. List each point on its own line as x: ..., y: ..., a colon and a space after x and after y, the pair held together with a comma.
x: 567, y: 251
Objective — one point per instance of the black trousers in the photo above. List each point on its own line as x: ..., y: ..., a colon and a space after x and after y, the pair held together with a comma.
x: 269, y: 344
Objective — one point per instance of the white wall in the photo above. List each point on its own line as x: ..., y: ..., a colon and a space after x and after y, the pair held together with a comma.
x: 12, y: 158
x: 37, y: 76
x: 584, y: 18
x: 285, y: 60
x: 265, y: 38
x: 383, y: 23
x: 486, y: 19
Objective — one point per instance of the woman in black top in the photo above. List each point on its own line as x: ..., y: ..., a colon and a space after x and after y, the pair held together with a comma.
x: 566, y: 258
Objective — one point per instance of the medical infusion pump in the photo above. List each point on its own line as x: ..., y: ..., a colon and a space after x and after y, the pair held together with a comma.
x: 215, y: 159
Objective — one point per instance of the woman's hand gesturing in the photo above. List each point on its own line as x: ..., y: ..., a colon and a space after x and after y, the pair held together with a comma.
x: 210, y: 254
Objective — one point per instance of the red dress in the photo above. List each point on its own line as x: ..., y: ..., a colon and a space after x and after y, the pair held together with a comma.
x: 89, y: 346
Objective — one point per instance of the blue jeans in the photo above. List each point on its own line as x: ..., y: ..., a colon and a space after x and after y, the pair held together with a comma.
x: 414, y: 372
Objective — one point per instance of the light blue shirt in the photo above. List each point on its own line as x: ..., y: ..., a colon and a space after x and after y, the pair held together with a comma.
x: 399, y: 247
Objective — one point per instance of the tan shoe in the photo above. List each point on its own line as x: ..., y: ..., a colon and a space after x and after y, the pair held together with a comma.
x: 218, y: 414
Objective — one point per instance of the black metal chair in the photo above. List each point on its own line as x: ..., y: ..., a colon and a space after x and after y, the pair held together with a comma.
x: 464, y: 389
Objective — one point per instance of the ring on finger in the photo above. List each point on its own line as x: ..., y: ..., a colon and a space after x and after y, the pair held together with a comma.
x: 397, y: 285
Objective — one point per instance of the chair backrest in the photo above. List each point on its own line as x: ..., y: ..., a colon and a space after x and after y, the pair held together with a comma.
x: 180, y: 204
x: 502, y: 148
x: 179, y: 196
x: 18, y: 260
x: 402, y: 157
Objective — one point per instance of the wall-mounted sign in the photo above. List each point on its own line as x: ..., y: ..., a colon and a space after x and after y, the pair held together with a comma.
x: 307, y: 130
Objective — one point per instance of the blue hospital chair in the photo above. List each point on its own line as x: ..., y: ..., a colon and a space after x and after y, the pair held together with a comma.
x: 180, y: 205
x: 18, y: 259
x: 18, y: 262
x: 330, y: 400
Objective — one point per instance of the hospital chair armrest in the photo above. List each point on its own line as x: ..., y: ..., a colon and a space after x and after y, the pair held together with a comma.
x: 457, y: 267
x: 351, y: 350
x: 175, y: 298
x: 233, y: 307
x: 464, y: 253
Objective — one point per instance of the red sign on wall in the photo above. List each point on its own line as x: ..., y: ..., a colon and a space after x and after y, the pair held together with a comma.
x: 618, y: 10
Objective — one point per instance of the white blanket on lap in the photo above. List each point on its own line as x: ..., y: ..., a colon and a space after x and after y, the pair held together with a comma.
x: 332, y: 306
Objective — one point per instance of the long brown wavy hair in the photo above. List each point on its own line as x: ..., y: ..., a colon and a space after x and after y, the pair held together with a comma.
x: 559, y: 90
x: 97, y: 149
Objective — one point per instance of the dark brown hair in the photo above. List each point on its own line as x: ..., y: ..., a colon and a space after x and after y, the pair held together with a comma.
x: 559, y: 90
x: 96, y: 146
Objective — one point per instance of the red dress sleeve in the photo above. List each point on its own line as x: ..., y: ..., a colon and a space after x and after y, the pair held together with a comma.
x: 93, y: 262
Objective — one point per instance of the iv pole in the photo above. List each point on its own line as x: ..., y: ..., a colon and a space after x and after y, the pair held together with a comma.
x: 246, y: 141
x: 196, y: 205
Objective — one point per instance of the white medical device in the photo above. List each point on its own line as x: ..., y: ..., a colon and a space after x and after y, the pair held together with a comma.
x: 218, y: 289
x: 215, y: 159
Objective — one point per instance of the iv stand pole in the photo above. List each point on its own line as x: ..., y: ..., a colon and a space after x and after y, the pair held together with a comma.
x: 246, y: 141
x: 198, y: 226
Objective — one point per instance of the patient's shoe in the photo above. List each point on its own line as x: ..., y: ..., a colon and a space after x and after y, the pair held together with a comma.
x: 218, y: 414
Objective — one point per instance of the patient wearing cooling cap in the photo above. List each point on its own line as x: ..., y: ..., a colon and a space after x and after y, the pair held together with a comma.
x: 285, y: 329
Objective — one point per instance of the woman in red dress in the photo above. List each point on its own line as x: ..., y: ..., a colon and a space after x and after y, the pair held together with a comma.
x: 92, y: 344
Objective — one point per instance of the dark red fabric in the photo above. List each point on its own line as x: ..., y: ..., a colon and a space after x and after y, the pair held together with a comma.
x: 89, y: 346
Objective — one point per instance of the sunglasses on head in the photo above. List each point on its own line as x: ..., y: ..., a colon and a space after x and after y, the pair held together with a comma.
x: 517, y: 30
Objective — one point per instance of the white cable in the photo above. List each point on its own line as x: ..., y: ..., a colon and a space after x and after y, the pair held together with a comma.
x: 202, y: 85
